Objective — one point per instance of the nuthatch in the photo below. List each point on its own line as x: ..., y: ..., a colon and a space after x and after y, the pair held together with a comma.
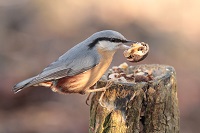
x: 81, y: 67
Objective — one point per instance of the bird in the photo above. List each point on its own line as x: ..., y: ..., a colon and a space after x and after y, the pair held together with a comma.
x: 77, y: 70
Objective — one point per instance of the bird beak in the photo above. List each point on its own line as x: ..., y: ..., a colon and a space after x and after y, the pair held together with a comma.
x: 123, y: 46
x: 130, y: 42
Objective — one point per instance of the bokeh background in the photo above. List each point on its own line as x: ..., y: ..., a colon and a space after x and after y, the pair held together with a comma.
x: 34, y: 33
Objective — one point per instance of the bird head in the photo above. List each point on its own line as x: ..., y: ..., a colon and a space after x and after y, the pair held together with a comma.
x: 109, y: 40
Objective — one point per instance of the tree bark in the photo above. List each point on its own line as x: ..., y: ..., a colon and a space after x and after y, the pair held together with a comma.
x: 139, y: 107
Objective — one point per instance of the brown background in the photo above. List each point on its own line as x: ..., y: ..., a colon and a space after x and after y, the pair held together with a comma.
x: 33, y: 33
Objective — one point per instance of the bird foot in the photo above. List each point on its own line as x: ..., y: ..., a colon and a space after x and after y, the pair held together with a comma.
x: 103, y: 89
x: 87, y: 99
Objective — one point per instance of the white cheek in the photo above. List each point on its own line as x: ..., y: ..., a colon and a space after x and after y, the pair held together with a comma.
x: 105, y: 45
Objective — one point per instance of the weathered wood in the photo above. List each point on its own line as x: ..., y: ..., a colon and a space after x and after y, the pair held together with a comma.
x: 142, y: 107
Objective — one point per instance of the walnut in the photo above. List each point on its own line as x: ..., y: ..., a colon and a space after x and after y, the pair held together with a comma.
x: 137, y: 52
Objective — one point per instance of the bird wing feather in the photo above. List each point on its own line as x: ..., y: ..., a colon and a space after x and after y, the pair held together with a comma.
x: 69, y: 64
x: 75, y: 61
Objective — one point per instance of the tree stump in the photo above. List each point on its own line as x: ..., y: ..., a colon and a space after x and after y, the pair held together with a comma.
x: 143, y: 106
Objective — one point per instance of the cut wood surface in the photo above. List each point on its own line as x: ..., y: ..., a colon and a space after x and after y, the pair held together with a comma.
x: 145, y: 105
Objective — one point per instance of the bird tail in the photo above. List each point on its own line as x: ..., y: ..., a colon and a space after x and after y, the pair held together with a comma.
x: 24, y: 84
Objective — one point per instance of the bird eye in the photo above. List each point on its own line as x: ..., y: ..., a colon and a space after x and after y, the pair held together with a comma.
x: 112, y: 39
x: 115, y: 40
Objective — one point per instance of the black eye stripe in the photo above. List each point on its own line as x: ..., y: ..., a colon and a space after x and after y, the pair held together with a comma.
x: 91, y: 45
x: 117, y: 40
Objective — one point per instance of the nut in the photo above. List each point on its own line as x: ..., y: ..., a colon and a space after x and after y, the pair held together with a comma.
x: 137, y: 52
x: 118, y: 73
x: 123, y: 66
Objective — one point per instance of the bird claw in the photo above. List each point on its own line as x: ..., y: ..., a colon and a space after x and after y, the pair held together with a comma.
x: 101, y: 98
x: 88, y: 98
x: 108, y: 85
x: 103, y: 89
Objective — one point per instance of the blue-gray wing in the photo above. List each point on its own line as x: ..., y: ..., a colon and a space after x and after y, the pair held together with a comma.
x: 77, y: 60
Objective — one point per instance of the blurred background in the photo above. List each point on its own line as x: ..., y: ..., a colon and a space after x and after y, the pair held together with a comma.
x: 34, y: 33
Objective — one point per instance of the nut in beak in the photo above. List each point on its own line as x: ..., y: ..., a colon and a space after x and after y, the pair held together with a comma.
x: 137, y: 52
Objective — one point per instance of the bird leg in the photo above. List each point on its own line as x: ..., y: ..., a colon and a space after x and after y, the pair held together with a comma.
x: 103, y: 89
x: 109, y: 83
x: 88, y: 97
